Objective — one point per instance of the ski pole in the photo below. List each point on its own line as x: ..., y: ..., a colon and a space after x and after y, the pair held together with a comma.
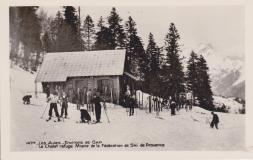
x: 44, y: 111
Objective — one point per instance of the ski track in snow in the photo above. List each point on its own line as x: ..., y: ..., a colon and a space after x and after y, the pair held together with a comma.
x: 185, y: 131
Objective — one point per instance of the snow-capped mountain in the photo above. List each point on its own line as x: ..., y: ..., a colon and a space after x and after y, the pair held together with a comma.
x: 226, y: 71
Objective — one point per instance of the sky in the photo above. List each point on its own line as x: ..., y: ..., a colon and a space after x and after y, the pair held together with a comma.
x: 220, y: 26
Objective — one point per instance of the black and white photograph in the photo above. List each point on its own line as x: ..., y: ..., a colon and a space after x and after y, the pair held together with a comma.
x: 127, y: 78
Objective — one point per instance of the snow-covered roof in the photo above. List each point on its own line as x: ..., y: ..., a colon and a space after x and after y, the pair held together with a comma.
x: 56, y: 67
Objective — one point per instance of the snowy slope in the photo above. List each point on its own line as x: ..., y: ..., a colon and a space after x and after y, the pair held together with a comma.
x: 185, y: 131
x: 231, y: 105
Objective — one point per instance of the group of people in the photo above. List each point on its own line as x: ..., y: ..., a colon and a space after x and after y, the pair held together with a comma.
x: 180, y: 102
x: 174, y: 103
x: 89, y: 100
x: 83, y: 102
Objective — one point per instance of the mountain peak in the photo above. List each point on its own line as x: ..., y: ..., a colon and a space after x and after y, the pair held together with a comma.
x: 206, y: 49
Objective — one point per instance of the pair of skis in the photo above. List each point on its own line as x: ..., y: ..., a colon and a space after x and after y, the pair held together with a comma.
x: 104, y: 105
x: 105, y: 109
x: 63, y: 119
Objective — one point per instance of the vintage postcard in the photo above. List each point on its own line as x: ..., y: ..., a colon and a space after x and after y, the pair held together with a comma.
x: 126, y: 77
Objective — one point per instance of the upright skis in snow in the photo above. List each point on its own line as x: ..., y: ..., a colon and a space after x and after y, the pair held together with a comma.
x: 105, y: 109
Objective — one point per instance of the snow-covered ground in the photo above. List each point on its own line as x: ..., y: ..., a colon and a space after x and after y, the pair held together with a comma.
x: 185, y: 131
x: 231, y: 105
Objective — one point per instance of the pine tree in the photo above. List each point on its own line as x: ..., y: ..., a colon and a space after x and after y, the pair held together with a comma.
x: 46, y: 42
x: 205, y: 94
x: 117, y: 30
x: 71, y: 18
x: 29, y: 35
x: 14, y: 34
x: 135, y: 53
x: 100, y: 23
x: 46, y: 39
x: 103, y: 39
x: 192, y: 75
x: 89, y: 32
x: 172, y: 70
x: 61, y: 35
x: 152, y: 75
x: 73, y: 29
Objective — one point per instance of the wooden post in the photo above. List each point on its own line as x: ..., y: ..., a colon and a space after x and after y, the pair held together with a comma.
x: 35, y: 89
x: 142, y: 99
x: 149, y: 102
x: 111, y: 96
x: 139, y: 100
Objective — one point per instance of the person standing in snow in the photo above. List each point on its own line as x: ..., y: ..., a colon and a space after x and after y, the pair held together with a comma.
x: 215, y: 121
x: 189, y: 99
x: 150, y: 103
x: 64, y: 104
x: 132, y: 104
x: 173, y: 107
x: 155, y: 100
x: 126, y: 98
x: 97, y: 101
x: 53, y: 100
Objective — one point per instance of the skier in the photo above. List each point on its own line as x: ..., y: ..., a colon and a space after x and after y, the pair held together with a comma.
x: 85, y: 116
x: 215, y: 121
x: 189, y: 99
x: 26, y: 99
x: 173, y: 106
x: 64, y: 104
x: 53, y: 99
x: 155, y: 100
x: 126, y: 98
x: 97, y: 101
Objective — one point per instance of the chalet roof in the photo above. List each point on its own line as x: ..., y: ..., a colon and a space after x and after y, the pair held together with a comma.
x: 56, y: 67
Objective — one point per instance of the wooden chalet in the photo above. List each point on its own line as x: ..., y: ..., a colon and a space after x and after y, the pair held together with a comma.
x: 101, y: 70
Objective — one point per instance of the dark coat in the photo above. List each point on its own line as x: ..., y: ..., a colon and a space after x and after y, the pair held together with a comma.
x: 97, y: 103
x: 173, y: 107
x: 215, y: 118
x: 131, y: 102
